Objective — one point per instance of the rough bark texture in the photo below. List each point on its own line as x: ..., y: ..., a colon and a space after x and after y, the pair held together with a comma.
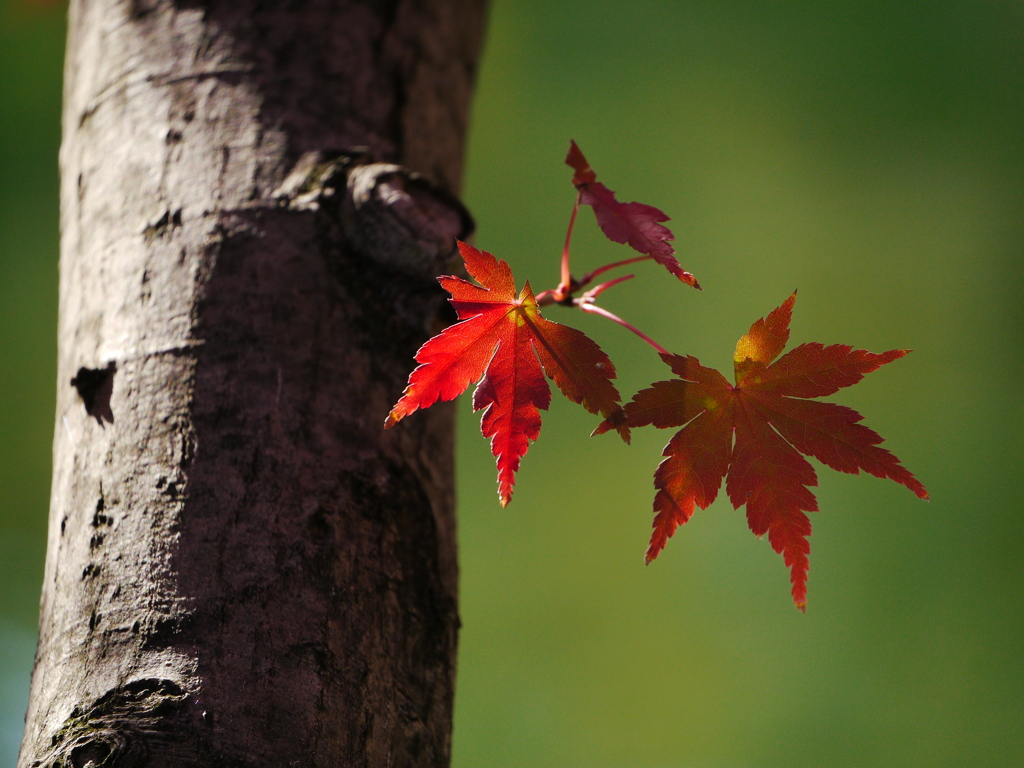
x: 244, y: 569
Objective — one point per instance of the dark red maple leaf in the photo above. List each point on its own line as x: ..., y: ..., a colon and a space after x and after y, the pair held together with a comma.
x: 637, y: 224
x: 503, y: 342
x: 754, y: 433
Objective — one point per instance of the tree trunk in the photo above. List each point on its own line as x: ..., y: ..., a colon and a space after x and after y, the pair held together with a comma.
x: 243, y: 568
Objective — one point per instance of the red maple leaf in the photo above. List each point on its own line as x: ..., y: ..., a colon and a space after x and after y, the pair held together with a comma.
x: 753, y: 432
x: 503, y: 342
x: 633, y: 223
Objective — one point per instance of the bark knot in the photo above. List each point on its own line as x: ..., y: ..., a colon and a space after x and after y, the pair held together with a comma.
x: 390, y: 214
x: 141, y: 723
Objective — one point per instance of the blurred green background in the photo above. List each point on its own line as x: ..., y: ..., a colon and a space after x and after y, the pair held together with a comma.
x: 870, y: 154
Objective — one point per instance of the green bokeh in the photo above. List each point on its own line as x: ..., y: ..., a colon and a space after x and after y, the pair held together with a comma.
x: 31, y: 50
x: 869, y: 154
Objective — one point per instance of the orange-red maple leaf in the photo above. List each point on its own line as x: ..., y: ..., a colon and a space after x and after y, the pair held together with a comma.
x: 503, y: 342
x: 637, y: 224
x: 753, y: 433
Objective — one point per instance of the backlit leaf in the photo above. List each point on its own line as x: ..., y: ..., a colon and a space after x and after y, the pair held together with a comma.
x: 637, y: 224
x: 755, y: 434
x: 503, y: 341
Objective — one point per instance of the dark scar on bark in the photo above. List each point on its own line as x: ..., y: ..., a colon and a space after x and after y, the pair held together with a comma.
x: 95, y: 386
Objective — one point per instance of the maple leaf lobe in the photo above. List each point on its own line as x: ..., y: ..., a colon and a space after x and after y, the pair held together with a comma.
x: 767, y: 337
x: 575, y: 159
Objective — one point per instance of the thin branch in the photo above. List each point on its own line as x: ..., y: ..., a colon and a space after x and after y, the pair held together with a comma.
x: 589, y: 306
x: 565, y: 286
x: 588, y: 278
x: 597, y: 290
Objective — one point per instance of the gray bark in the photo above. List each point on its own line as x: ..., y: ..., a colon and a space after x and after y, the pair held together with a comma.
x: 243, y: 568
